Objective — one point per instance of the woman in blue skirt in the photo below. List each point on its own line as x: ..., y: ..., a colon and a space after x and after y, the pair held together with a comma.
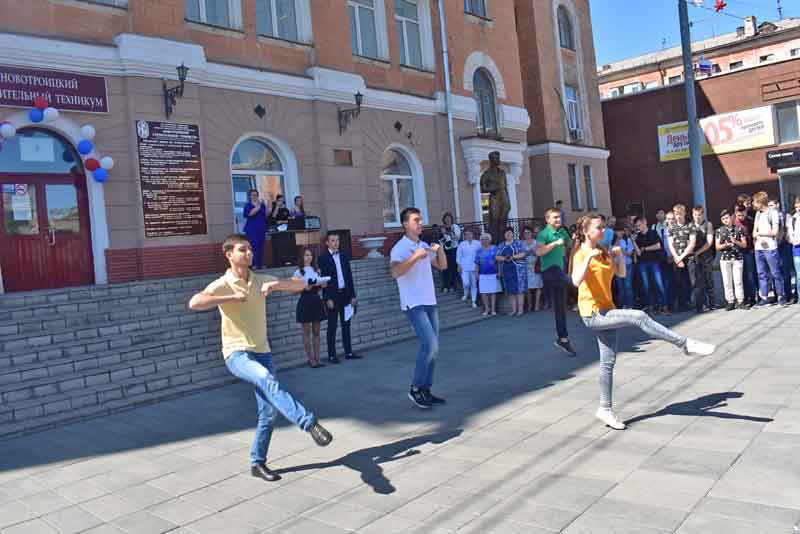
x: 511, y: 255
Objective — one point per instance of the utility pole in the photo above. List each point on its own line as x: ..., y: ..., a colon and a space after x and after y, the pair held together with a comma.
x: 695, y: 154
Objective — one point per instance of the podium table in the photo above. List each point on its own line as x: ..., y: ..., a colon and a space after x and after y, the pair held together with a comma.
x: 286, y: 245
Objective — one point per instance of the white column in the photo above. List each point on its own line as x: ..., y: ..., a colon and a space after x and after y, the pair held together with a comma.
x: 474, y: 177
x: 512, y: 180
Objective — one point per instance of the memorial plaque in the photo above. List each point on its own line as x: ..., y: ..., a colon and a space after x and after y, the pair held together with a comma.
x: 171, y: 174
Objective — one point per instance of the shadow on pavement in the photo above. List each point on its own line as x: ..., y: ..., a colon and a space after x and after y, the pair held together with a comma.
x: 701, y: 407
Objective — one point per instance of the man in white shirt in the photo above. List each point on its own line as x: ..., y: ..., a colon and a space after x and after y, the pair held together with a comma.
x: 465, y: 259
x: 411, y: 262
x: 768, y: 261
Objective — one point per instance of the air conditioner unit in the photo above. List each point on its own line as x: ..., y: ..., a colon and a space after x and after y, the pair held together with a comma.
x: 576, y: 134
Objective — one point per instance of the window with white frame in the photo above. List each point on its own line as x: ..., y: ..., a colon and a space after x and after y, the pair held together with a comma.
x: 483, y: 89
x: 736, y: 65
x: 652, y: 84
x: 223, y: 13
x: 475, y: 7
x: 284, y: 19
x: 574, y: 117
x: 614, y: 92
x: 565, y: 35
x: 675, y: 79
x: 255, y: 165
x: 629, y: 88
x: 116, y: 3
x: 788, y: 128
x: 363, y: 29
x: 591, y: 193
x: 397, y: 183
x: 765, y: 58
x: 794, y: 52
x: 574, y: 187
x: 407, y: 24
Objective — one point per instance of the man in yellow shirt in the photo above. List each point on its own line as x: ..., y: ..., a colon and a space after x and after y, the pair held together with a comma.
x: 240, y: 295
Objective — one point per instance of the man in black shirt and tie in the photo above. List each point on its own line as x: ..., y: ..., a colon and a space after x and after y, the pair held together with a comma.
x: 338, y: 294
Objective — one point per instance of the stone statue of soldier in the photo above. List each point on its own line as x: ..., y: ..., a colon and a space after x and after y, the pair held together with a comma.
x: 493, y: 181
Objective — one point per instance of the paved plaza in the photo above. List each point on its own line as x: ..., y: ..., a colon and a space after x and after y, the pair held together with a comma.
x: 713, y: 445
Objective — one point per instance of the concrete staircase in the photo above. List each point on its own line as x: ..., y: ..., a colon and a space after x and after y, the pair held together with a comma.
x: 74, y: 353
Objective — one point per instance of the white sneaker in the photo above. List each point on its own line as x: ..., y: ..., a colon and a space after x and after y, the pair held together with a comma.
x: 607, y: 416
x: 474, y: 305
x: 485, y: 313
x: 464, y: 298
x: 698, y: 348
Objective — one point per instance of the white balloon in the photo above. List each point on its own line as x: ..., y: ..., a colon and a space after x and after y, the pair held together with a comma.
x: 107, y: 163
x: 88, y: 132
x: 50, y: 114
x: 7, y: 130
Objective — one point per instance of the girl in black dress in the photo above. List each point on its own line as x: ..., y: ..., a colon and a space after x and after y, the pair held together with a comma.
x: 310, y: 309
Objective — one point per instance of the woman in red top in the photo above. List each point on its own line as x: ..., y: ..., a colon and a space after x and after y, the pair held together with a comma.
x: 593, y: 268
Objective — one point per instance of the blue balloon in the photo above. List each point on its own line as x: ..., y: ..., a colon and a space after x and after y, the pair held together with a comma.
x: 36, y: 115
x: 100, y: 175
x: 85, y: 146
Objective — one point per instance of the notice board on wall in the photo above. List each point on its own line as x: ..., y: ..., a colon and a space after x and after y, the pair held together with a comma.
x: 171, y: 176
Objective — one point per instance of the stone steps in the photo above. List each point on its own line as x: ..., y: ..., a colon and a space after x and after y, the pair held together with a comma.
x: 74, y: 353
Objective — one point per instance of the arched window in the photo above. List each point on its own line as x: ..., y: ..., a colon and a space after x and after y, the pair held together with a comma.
x: 397, y: 182
x: 483, y: 89
x: 565, y: 35
x: 255, y: 165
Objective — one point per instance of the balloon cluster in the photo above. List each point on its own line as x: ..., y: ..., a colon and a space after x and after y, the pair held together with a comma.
x: 43, y: 112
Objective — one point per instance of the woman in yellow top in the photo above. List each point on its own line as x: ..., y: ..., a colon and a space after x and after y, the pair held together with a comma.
x: 593, y: 269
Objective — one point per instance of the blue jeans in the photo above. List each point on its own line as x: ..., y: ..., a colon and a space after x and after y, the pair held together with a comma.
x: 258, y: 369
x: 750, y: 275
x: 668, y: 276
x: 625, y: 287
x: 768, y: 262
x: 648, y: 269
x: 787, y: 267
x: 606, y: 325
x: 425, y: 322
x: 796, y: 260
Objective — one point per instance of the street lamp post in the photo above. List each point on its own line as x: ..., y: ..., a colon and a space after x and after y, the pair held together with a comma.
x: 695, y: 155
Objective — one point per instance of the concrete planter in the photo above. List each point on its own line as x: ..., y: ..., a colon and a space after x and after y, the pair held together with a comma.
x: 373, y: 245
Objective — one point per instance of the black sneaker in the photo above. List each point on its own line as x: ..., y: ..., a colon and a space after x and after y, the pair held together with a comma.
x: 352, y: 356
x: 263, y: 472
x: 333, y: 359
x: 320, y: 435
x: 730, y: 307
x: 418, y: 398
x: 566, y: 346
x: 783, y: 302
x: 432, y: 399
x: 762, y: 303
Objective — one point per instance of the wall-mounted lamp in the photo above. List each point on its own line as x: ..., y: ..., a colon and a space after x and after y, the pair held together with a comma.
x: 347, y: 115
x: 171, y: 95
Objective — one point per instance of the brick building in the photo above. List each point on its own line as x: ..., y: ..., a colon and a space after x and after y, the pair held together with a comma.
x: 751, y: 45
x: 260, y: 108
x: 746, y: 115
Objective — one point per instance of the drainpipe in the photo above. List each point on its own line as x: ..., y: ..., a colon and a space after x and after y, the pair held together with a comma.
x: 449, y: 108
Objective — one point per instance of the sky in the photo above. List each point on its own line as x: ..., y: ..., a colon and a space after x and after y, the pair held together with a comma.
x: 627, y: 28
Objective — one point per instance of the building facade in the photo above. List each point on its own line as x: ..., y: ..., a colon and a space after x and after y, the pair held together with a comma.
x: 749, y: 121
x: 260, y: 109
x: 751, y: 45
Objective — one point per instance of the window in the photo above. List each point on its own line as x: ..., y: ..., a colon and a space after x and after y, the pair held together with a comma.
x: 614, y: 92
x: 255, y: 165
x: 397, y: 182
x: 224, y: 13
x: 675, y: 79
x: 591, y: 194
x: 574, y: 119
x: 363, y: 37
x: 475, y: 7
x: 768, y: 57
x: 574, y: 187
x: 794, y: 52
x: 736, y: 65
x: 788, y: 130
x: 406, y: 17
x: 277, y: 18
x: 631, y: 88
x: 651, y: 84
x: 565, y: 35
x: 716, y: 68
x: 483, y: 89
x: 117, y: 3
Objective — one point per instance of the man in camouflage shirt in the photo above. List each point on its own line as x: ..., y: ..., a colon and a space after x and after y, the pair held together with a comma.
x: 730, y: 242
x: 682, y: 240
x: 704, y: 253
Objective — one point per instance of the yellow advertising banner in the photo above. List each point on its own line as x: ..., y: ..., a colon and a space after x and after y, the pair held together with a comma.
x: 720, y: 134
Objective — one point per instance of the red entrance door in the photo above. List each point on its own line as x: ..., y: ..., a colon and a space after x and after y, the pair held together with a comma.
x: 45, y: 239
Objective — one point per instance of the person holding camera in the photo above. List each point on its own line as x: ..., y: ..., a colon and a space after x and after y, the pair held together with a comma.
x: 451, y: 235
x: 730, y: 243
x: 310, y: 309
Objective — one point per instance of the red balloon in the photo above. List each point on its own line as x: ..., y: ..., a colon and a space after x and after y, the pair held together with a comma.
x: 40, y: 102
x: 91, y: 164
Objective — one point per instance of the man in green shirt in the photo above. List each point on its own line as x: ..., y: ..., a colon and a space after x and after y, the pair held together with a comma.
x: 551, y: 246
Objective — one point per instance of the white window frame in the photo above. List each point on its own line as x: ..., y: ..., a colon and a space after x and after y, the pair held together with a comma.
x: 417, y: 183
x: 679, y: 79
x: 630, y: 88
x: 574, y: 109
x: 114, y: 3
x: 381, y: 36
x: 302, y: 15
x: 569, y: 44
x: 794, y: 52
x: 652, y: 84
x: 591, y: 194
x: 234, y: 14
x: 484, y: 3
x: 766, y: 58
x: 793, y: 103
x: 396, y: 196
x: 736, y: 65
x: 425, y: 34
x: 575, y: 182
x: 614, y: 92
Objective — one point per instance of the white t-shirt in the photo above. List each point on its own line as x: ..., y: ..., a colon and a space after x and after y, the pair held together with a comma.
x: 764, y: 223
x: 465, y: 255
x: 416, y: 286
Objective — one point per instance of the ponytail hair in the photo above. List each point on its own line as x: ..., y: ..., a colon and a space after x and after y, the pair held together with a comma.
x: 580, y: 236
